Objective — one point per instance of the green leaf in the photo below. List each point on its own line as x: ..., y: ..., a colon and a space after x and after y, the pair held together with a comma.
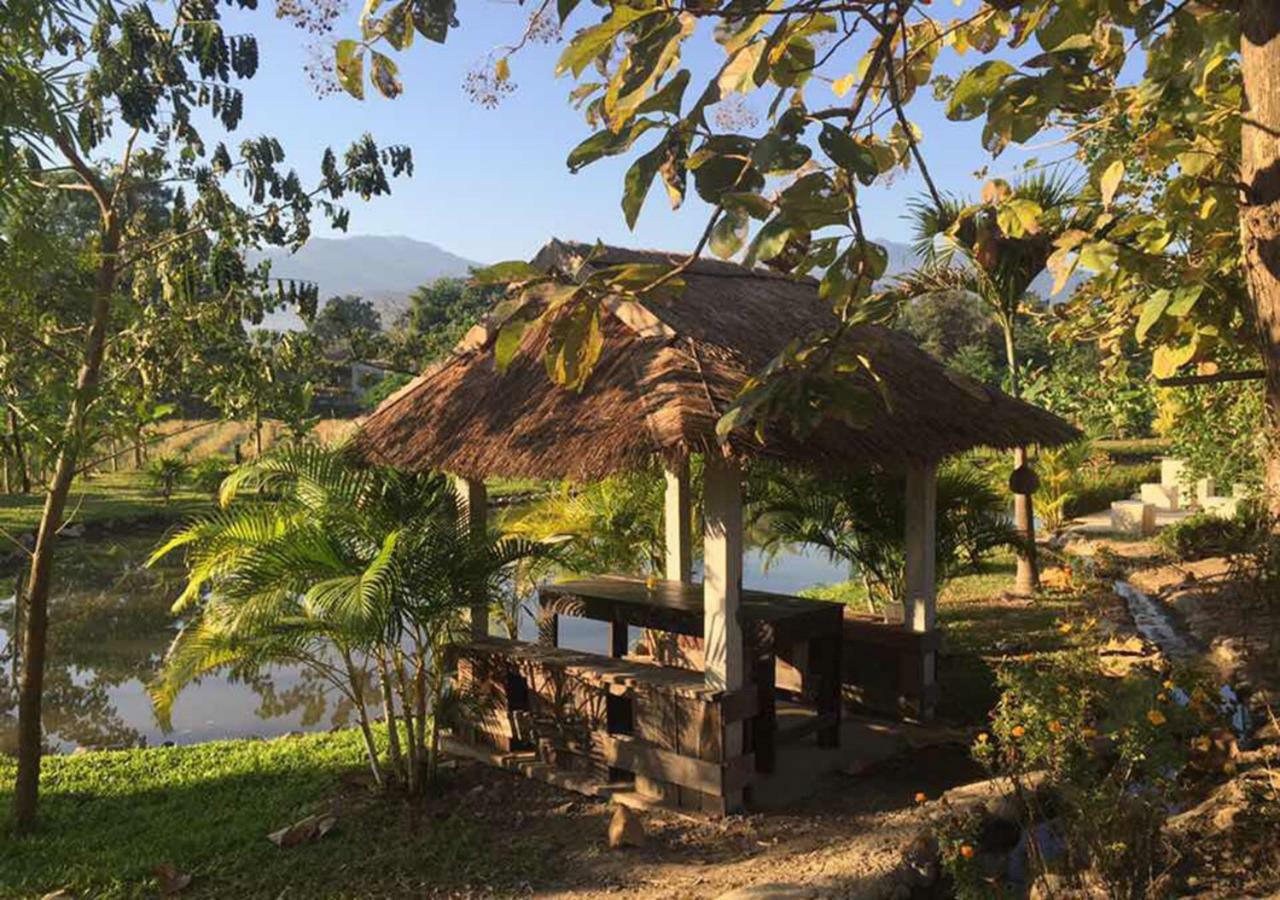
x: 768, y: 242
x: 564, y: 8
x: 505, y: 273
x: 350, y: 66
x: 1184, y: 299
x: 729, y: 233
x: 607, y: 143
x: 508, y: 342
x: 754, y: 205
x: 1098, y: 256
x: 589, y: 43
x: 383, y: 73
x: 637, y: 181
x: 850, y: 154
x: 975, y: 87
x: 574, y: 346
x: 1070, y: 21
x: 738, y: 75
x: 777, y: 153
x: 1109, y: 182
x: 1152, y: 310
x: 667, y: 98
x: 1019, y: 216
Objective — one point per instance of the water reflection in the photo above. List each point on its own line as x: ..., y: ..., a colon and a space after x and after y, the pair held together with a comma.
x: 110, y: 625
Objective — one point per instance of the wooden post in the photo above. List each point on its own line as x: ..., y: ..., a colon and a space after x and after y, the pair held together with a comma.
x: 675, y: 518
x: 921, y: 606
x: 475, y: 507
x: 722, y: 637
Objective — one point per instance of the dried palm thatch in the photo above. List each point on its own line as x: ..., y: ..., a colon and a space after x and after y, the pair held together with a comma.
x: 668, y: 371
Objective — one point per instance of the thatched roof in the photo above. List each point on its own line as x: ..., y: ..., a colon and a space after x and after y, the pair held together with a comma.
x: 668, y: 371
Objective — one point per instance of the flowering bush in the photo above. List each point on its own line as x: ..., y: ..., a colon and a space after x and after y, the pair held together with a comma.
x: 1097, y: 764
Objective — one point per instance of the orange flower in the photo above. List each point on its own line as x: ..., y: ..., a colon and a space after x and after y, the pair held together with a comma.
x: 920, y: 797
x: 966, y: 851
x: 1055, y: 726
x: 1155, y: 717
x: 1018, y: 731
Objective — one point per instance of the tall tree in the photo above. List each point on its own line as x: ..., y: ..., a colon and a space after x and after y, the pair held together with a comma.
x: 123, y: 82
x: 1003, y: 244
x: 1182, y: 203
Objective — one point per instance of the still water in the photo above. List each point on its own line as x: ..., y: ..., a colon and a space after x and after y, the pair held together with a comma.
x: 111, y: 623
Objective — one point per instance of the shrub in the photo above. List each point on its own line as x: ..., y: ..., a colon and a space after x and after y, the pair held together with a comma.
x: 165, y: 474
x: 208, y: 474
x: 1203, y: 535
x: 1096, y: 762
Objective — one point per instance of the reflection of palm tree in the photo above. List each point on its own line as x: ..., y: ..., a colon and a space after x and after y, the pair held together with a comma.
x: 1004, y: 244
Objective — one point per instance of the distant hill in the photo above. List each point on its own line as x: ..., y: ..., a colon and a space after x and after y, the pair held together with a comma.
x: 384, y: 270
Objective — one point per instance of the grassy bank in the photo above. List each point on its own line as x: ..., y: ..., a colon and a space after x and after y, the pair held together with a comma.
x: 116, y: 497
x: 109, y: 819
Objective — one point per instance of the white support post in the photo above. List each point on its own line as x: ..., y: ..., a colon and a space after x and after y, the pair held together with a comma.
x: 722, y: 639
x: 921, y: 547
x: 722, y: 579
x: 921, y: 563
x: 475, y: 507
x: 678, y: 562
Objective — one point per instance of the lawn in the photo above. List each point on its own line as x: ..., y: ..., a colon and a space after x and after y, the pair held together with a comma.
x: 108, y: 819
x: 107, y: 497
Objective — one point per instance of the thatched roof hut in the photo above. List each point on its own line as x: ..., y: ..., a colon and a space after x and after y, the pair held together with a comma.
x: 668, y: 371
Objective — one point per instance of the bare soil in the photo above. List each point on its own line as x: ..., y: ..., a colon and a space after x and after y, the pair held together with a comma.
x: 847, y: 841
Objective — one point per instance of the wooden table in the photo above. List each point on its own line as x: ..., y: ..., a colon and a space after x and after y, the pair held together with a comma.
x: 770, y: 622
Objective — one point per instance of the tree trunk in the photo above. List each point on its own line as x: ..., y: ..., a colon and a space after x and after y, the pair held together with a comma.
x: 1027, y: 581
x: 1260, y: 212
x: 35, y: 634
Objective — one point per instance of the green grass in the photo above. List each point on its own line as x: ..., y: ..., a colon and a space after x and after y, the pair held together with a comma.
x: 116, y: 497
x: 109, y: 818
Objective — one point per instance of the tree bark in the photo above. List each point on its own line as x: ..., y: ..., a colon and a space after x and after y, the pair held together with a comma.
x: 1260, y: 211
x: 1027, y: 581
x: 35, y: 634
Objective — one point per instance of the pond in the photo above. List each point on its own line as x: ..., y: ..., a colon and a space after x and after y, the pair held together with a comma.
x: 111, y: 624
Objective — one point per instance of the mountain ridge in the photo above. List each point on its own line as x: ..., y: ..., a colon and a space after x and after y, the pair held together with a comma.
x: 385, y: 269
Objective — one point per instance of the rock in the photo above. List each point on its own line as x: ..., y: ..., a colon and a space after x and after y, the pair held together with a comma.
x: 772, y: 891
x: 311, y: 828
x: 625, y: 828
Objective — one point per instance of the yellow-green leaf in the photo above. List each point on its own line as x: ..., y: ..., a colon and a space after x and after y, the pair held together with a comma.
x: 350, y: 66
x: 1110, y: 181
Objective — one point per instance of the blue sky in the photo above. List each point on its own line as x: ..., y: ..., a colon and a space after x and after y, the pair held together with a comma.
x: 492, y: 184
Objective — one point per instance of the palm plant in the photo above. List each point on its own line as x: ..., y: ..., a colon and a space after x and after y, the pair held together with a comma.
x: 359, y: 574
x: 861, y: 519
x: 994, y: 250
x: 166, y: 473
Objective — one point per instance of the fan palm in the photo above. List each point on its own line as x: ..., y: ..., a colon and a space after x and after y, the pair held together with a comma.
x: 860, y: 519
x: 347, y: 571
x: 994, y: 250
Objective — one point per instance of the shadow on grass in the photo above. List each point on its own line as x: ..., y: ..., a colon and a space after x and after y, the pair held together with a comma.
x: 107, y: 820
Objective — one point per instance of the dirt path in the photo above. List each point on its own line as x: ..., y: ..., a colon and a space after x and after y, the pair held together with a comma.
x: 845, y: 842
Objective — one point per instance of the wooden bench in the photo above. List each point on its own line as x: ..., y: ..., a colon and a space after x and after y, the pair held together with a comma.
x: 608, y: 719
